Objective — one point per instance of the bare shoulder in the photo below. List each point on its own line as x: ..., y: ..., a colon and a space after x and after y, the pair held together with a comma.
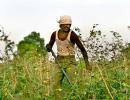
x: 54, y: 33
x: 74, y: 38
x: 74, y: 35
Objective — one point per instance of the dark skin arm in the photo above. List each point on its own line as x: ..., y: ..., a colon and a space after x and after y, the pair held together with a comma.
x: 75, y: 39
x: 51, y: 42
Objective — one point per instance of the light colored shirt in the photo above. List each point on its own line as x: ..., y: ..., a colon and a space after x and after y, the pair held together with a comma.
x: 65, y: 47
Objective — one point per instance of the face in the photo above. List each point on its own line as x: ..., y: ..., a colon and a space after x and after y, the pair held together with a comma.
x: 65, y: 27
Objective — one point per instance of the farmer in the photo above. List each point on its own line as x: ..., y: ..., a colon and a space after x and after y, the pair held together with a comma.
x: 65, y: 40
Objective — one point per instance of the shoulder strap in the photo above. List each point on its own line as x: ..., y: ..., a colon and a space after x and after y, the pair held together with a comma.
x: 57, y: 34
x: 68, y: 37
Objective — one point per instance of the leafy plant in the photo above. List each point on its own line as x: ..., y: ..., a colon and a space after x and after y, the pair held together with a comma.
x: 30, y: 76
x: 32, y: 43
x: 99, y: 48
x: 9, y: 46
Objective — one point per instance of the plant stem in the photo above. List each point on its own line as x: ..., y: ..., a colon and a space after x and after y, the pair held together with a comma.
x: 105, y: 82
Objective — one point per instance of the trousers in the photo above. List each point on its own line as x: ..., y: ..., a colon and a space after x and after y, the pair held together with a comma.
x: 68, y: 63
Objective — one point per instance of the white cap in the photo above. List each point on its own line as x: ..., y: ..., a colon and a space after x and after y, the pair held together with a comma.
x: 65, y: 20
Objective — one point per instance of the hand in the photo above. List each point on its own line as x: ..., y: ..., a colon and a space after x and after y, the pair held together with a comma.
x: 48, y: 47
x: 87, y: 71
x: 89, y: 68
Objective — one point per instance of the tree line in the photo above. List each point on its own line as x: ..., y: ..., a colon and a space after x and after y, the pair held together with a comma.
x: 97, y: 46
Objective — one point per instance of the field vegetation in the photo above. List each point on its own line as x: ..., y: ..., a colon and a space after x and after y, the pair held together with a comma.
x: 29, y: 75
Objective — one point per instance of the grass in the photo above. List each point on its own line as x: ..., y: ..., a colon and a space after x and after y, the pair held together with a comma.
x: 31, y: 78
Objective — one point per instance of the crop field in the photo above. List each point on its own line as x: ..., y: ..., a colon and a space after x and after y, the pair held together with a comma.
x: 31, y: 78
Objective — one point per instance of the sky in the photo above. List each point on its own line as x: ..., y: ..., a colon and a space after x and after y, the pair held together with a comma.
x: 20, y: 17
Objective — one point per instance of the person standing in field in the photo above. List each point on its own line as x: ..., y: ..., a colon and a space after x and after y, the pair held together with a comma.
x: 65, y: 40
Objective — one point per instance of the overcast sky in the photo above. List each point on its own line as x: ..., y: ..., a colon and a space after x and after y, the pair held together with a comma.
x: 21, y: 17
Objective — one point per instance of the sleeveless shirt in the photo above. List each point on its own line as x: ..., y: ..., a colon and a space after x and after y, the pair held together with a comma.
x: 65, y: 47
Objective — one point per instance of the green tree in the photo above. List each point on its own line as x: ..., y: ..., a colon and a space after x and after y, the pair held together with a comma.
x: 32, y: 43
